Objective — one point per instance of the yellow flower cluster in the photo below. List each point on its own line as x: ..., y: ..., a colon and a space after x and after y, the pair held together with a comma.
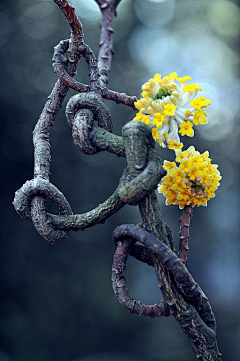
x: 193, y: 182
x: 165, y: 105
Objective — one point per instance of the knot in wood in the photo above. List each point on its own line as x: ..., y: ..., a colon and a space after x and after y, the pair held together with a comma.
x: 81, y: 112
x: 27, y: 199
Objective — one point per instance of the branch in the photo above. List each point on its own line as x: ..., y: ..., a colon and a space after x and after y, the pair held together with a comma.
x: 108, y: 9
x: 75, y: 24
x: 59, y: 66
x: 42, y: 129
x: 88, y: 219
x: 184, y: 233
x: 129, y: 191
x: 42, y: 189
x: 121, y: 291
x: 139, y: 143
x: 187, y: 302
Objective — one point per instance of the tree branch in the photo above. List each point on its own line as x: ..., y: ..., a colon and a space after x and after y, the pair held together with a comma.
x: 184, y: 233
x: 185, y: 298
x: 108, y: 10
x: 74, y: 22
x: 46, y: 120
x: 59, y: 66
x: 121, y: 291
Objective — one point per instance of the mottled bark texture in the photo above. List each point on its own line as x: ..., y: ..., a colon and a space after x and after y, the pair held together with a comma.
x: 151, y: 241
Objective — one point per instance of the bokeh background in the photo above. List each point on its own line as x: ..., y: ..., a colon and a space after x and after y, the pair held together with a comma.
x: 56, y: 300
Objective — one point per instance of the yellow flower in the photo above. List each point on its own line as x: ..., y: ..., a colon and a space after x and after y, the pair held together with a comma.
x: 193, y: 182
x: 184, y: 79
x: 186, y: 129
x: 168, y: 105
x: 181, y: 155
x: 199, y: 117
x: 155, y: 133
x: 169, y: 109
x: 200, y: 103
x: 174, y: 145
x: 191, y: 87
x: 193, y: 173
x: 169, y: 166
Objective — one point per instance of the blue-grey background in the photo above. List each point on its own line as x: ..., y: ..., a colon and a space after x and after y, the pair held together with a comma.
x: 56, y: 300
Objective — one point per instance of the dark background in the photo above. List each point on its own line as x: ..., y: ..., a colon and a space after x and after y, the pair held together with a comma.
x: 56, y: 300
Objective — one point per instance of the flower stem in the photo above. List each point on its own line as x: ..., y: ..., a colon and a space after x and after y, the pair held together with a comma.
x: 184, y: 232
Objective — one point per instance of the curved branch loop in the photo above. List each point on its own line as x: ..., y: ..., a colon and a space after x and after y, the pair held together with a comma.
x: 93, y: 102
x: 184, y: 281
x: 131, y: 191
x: 81, y: 111
x: 26, y: 207
x: 59, y: 62
x: 121, y: 291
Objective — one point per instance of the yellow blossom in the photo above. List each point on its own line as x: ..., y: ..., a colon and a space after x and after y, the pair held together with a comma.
x: 174, y: 145
x: 186, y: 129
x: 169, y: 166
x: 184, y: 79
x: 155, y: 133
x: 169, y: 109
x: 200, y: 103
x: 187, y: 113
x: 199, y: 117
x: 180, y: 155
x: 191, y: 87
x: 169, y: 104
x: 193, y: 182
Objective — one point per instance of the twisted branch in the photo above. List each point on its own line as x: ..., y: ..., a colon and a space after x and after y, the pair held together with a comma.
x: 59, y: 66
x: 184, y: 299
x: 129, y: 191
x: 121, y: 291
x: 150, y: 242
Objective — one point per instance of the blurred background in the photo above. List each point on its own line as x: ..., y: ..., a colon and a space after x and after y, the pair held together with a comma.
x: 56, y: 300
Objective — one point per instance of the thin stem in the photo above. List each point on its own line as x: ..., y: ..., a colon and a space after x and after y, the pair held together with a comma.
x: 74, y: 22
x: 108, y: 9
x: 184, y: 232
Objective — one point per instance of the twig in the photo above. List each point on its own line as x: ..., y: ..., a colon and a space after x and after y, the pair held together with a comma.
x: 74, y: 22
x: 88, y: 219
x: 108, y: 9
x: 59, y: 66
x: 184, y: 232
